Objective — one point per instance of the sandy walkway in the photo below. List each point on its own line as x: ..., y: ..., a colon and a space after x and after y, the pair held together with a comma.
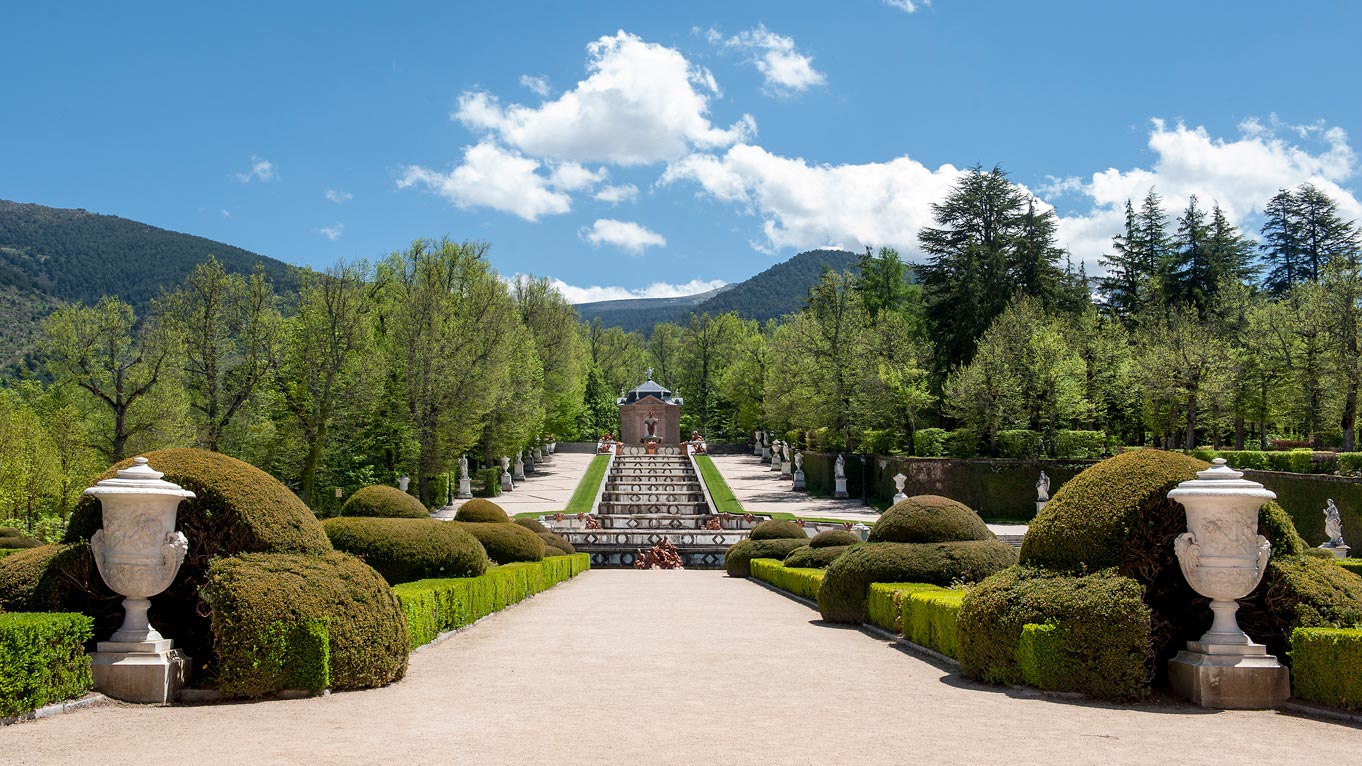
x: 546, y: 490
x: 625, y: 667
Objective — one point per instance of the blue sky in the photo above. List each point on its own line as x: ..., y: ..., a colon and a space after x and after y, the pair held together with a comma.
x: 661, y: 148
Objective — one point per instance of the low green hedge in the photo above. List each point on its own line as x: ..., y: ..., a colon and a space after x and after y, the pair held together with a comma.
x: 738, y: 558
x: 884, y: 603
x: 800, y: 582
x: 1070, y: 445
x: 1350, y: 463
x: 931, y: 442
x: 288, y: 621
x: 833, y: 538
x: 481, y: 510
x: 403, y: 550
x: 846, y: 587
x: 1040, y: 653
x: 929, y: 618
x: 1326, y: 666
x: 42, y: 659
x: 1352, y: 565
x: 489, y: 482
x: 1019, y: 444
x: 809, y: 557
x: 777, y: 529
x: 433, y: 607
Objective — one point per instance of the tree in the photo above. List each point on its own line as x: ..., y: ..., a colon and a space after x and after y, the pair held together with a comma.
x: 743, y: 383
x: 1182, y: 365
x: 1302, y: 233
x: 664, y: 352
x: 1208, y: 256
x: 707, y: 348
x: 118, y: 361
x: 882, y: 281
x: 552, y: 323
x: 894, y: 392
x: 1138, y: 268
x: 28, y: 460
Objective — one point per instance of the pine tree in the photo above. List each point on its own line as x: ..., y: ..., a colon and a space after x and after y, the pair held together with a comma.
x: 1123, y: 287
x: 1189, y: 278
x: 1153, y: 246
x: 1034, y: 261
x: 1303, y: 233
x: 1280, y: 250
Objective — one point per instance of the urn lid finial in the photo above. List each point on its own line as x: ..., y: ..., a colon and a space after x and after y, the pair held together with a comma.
x: 1221, y: 479
x: 141, y: 478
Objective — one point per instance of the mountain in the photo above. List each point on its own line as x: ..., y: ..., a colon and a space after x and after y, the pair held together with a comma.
x: 778, y: 291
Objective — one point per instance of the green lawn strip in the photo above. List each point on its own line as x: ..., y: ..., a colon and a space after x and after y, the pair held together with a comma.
x: 724, y: 500
x: 584, y: 498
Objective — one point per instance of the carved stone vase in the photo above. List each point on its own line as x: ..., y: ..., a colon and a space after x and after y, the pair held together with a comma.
x: 138, y: 553
x: 1224, y: 558
x: 899, y: 479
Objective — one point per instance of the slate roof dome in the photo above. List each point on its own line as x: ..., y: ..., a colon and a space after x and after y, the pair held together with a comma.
x: 650, y: 388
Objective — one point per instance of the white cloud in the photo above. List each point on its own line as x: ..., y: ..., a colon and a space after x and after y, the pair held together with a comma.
x: 337, y: 196
x: 803, y: 205
x: 593, y: 293
x: 640, y: 103
x: 225, y: 213
x: 787, y: 71
x: 261, y: 170
x: 538, y: 85
x: 332, y: 232
x: 569, y: 176
x: 617, y: 194
x: 626, y: 235
x: 908, y: 6
x: 491, y: 176
x: 1240, y: 174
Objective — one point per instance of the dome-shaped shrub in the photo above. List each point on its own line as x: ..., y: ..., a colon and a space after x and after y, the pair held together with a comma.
x: 810, y: 557
x: 11, y: 538
x: 929, y: 519
x: 534, y: 525
x: 50, y: 578
x: 404, y: 550
x: 738, y: 558
x: 480, y: 510
x: 257, y: 599
x: 556, y: 544
x: 834, y: 538
x: 384, y: 502
x: 237, y: 508
x: 842, y: 597
x: 505, y: 543
x: 774, y: 529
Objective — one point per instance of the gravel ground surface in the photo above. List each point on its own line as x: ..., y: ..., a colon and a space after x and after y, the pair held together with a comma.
x: 627, y: 667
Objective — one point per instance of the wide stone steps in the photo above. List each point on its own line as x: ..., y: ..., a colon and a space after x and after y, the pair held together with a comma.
x: 695, y: 521
x: 622, y: 487
x: 699, y: 549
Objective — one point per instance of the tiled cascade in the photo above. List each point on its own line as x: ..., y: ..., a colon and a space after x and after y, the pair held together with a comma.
x: 650, y: 498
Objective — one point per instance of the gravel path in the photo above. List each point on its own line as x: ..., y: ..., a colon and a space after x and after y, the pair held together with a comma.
x: 626, y: 667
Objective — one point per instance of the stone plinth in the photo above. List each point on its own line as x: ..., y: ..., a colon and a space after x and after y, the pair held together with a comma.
x: 1339, y: 551
x: 146, y: 672
x: 1253, y: 680
x: 632, y: 417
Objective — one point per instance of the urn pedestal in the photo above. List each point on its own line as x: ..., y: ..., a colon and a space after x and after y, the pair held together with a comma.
x: 1223, y: 557
x: 138, y: 553
x: 507, y: 483
x: 839, y: 491
x: 519, y: 473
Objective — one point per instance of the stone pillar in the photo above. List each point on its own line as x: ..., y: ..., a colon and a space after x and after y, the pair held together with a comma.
x: 798, y: 485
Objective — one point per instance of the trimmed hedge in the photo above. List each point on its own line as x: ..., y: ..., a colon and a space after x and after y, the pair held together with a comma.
x: 1104, y: 630
x: 843, y: 595
x: 13, y: 539
x: 488, y: 482
x: 738, y: 558
x: 555, y: 545
x: 808, y: 557
x: 403, y: 550
x: 1352, y: 565
x: 1326, y: 666
x: 479, y: 510
x: 930, y: 442
x: 777, y: 529
x: 50, y: 578
x: 42, y: 659
x: 505, y: 543
x: 534, y: 525
x: 833, y: 538
x: 929, y: 519
x: 1019, y: 444
x: 1040, y: 656
x: 435, y: 606
x: 1079, y: 445
x: 268, y: 612
x: 884, y: 603
x: 929, y: 618
x: 382, y: 501
x: 1350, y: 463
x: 799, y: 581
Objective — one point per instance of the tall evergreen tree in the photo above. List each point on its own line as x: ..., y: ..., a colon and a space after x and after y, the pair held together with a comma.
x: 882, y: 281
x: 1034, y: 261
x: 1302, y: 234
x: 1189, y: 279
x: 1123, y: 287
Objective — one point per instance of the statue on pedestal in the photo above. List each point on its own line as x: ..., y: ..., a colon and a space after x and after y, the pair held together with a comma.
x: 839, y: 475
x: 1333, y: 526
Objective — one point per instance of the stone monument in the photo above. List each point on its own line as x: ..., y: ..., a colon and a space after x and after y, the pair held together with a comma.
x: 650, y: 414
x: 403, y: 482
x: 756, y: 444
x: 786, y: 462
x: 766, y: 448
x: 519, y: 474
x: 465, y: 485
x: 1042, y: 491
x: 507, y: 482
x: 899, y: 479
x: 799, y: 472
x: 1223, y: 557
x: 777, y: 454
x: 138, y: 553
x: 1333, y: 529
x: 839, y: 477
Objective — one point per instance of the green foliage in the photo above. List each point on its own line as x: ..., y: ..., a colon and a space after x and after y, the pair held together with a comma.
x: 556, y: 545
x: 776, y: 529
x: 1275, y: 524
x: 1103, y: 625
x: 1300, y: 592
x: 265, y: 611
x: 42, y: 660
x: 929, y: 519
x: 1304, y: 497
x: 382, y: 501
x: 13, y: 539
x: 802, y: 582
x: 1350, y: 463
x: 719, y: 491
x: 50, y: 578
x: 482, y: 511
x: 403, y: 550
x: 1040, y: 653
x: 584, y: 497
x: 532, y: 524
x: 833, y: 538
x: 1019, y: 444
x: 1326, y: 666
x: 844, y: 592
x: 436, y: 606
x: 487, y: 482
x: 1079, y: 444
x: 738, y: 558
x: 505, y: 543
x: 814, y: 558
x: 884, y: 602
x: 931, y: 442
x: 1352, y: 565
x: 1295, y: 461
x: 930, y: 619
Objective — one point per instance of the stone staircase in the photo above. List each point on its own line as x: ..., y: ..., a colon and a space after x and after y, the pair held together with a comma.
x: 648, y: 499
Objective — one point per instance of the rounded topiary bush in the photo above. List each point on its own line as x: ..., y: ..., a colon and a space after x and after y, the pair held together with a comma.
x: 555, y: 545
x: 810, y: 557
x: 259, y: 602
x: 505, y: 543
x: 52, y: 578
x: 404, y: 550
x: 237, y: 508
x: 833, y: 538
x: 842, y: 597
x: 382, y: 501
x: 929, y: 519
x: 12, y: 538
x: 775, y: 529
x: 534, y: 525
x: 481, y: 511
x: 738, y: 558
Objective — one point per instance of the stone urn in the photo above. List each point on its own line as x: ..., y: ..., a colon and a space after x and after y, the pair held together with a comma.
x: 899, y: 479
x: 1223, y: 558
x: 138, y: 553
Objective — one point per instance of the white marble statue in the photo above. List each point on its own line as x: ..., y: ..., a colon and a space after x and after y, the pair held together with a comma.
x: 1043, y: 488
x: 839, y: 470
x: 1333, y: 526
x: 463, y: 466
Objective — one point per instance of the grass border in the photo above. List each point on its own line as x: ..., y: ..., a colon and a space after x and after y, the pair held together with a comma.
x: 724, y: 499
x: 584, y: 497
